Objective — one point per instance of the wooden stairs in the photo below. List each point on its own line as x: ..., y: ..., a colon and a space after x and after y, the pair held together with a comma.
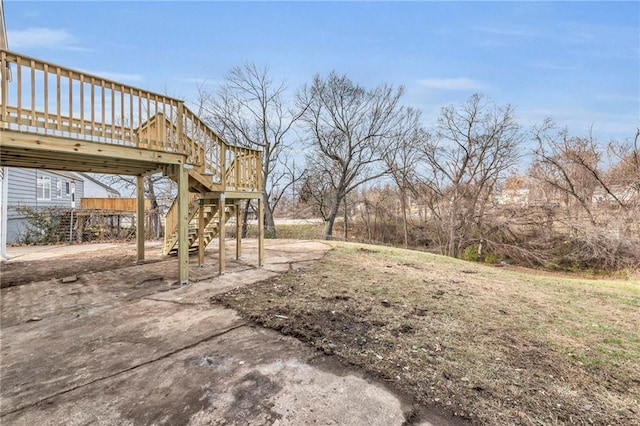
x: 205, y: 193
x: 211, y: 223
x: 232, y: 173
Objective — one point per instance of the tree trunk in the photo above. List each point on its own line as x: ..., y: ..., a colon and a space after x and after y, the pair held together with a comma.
x: 452, y: 234
x: 154, y: 212
x: 245, y: 217
x: 269, y: 224
x: 403, y: 205
x: 346, y: 217
x: 331, y: 218
x: 367, y: 216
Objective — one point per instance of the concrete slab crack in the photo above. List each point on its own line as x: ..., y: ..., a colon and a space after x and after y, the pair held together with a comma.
x: 173, y: 301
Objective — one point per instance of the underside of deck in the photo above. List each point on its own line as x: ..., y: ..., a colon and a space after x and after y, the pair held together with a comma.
x: 32, y: 150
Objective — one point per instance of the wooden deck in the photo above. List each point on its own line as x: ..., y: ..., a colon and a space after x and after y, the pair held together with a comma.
x: 54, y: 117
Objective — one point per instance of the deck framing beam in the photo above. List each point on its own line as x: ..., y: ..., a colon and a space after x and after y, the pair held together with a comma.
x: 15, y: 141
x: 231, y: 195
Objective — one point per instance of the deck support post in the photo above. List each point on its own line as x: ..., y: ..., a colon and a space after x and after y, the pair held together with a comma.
x: 260, y: 232
x: 238, y: 207
x: 183, y: 225
x: 201, y: 232
x: 222, y: 234
x: 140, y: 231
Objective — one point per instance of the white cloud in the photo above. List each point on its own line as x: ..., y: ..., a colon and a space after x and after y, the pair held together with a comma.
x: 42, y: 37
x: 460, y: 83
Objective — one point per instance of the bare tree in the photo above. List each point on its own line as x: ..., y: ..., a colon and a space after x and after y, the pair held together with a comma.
x: 249, y: 109
x: 474, y: 145
x: 570, y: 167
x: 596, y: 190
x: 349, y: 129
x: 624, y: 172
x: 402, y: 160
x: 317, y: 189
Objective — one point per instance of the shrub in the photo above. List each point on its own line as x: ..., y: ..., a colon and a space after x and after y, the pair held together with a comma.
x: 44, y: 225
x: 470, y: 253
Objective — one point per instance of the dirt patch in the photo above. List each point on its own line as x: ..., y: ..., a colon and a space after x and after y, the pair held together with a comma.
x: 18, y: 271
x: 486, y: 345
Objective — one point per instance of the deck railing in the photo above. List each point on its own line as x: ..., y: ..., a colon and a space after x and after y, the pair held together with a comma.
x: 52, y: 100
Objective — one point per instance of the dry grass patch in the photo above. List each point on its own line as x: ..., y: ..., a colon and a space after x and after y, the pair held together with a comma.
x: 486, y: 344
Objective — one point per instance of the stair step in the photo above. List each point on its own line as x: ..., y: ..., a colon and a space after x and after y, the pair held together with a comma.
x: 212, y: 219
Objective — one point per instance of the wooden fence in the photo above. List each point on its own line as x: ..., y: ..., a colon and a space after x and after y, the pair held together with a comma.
x: 112, y: 204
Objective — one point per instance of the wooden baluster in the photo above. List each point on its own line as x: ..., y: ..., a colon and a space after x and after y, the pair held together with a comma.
x: 223, y: 164
x: 238, y: 162
x: 70, y: 79
x: 131, y: 125
x: 179, y: 128
x: 140, y: 121
x: 159, y: 125
x: 5, y: 85
x: 93, y: 106
x: 58, y: 99
x: 46, y: 96
x: 166, y: 134
x: 19, y: 81
x: 148, y: 112
x: 102, y: 117
x: 122, y: 137
x: 113, y: 112
x: 82, y: 126
x: 33, y: 93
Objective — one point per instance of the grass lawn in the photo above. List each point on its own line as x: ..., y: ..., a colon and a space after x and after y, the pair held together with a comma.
x: 483, y: 343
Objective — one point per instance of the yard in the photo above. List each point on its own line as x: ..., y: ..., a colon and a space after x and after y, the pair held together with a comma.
x: 487, y: 344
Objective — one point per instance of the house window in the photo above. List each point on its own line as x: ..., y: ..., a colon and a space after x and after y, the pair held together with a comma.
x: 44, y: 188
x: 59, y: 188
x: 67, y: 186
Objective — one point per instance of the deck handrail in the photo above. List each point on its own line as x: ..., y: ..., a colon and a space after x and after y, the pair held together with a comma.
x: 49, y: 99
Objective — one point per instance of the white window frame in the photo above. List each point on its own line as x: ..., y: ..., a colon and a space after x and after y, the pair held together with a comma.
x: 43, y: 188
x: 59, y: 188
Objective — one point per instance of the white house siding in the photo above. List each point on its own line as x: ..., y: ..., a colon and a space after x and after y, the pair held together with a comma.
x: 22, y: 190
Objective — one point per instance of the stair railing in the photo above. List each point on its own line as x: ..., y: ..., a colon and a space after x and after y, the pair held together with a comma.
x: 171, y: 218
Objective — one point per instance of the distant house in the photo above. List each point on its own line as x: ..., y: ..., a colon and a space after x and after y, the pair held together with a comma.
x: 32, y: 189
x: 626, y: 195
x: 513, y: 197
x: 93, y: 188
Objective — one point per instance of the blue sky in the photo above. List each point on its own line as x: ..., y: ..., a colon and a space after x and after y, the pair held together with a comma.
x: 576, y: 62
